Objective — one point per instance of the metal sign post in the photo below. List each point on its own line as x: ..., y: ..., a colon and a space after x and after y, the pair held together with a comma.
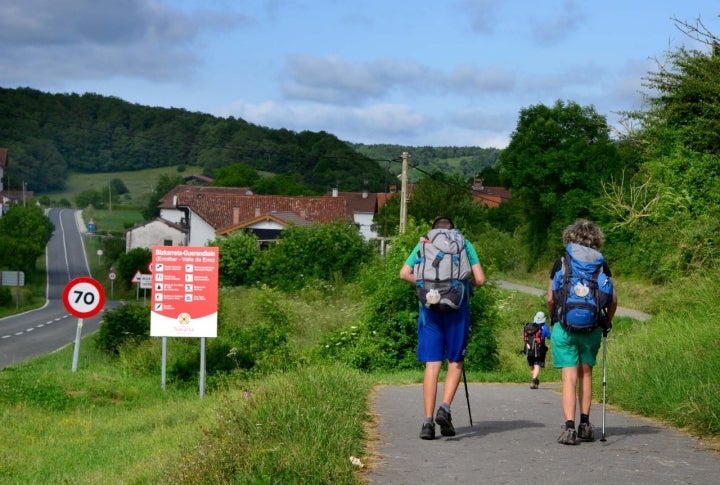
x: 82, y: 297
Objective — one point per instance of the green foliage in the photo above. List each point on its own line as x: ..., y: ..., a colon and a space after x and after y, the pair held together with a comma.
x: 90, y: 197
x: 555, y: 164
x: 113, y: 248
x: 24, y: 233
x: 51, y: 134
x: 282, y: 185
x: 326, y: 252
x: 118, y: 187
x: 126, y: 325
x: 237, y: 253
x: 665, y: 215
x: 165, y: 184
x: 36, y: 162
x: 236, y: 175
x: 248, y: 442
x: 131, y: 262
x: 385, y: 337
x: 255, y: 342
x: 5, y: 296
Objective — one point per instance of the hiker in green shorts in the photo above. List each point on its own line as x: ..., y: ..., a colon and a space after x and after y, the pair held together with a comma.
x: 578, y: 327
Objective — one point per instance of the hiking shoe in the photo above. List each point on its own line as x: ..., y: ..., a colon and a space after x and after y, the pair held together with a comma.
x: 427, y: 432
x: 585, y: 432
x: 568, y: 436
x: 444, y: 419
x: 535, y: 383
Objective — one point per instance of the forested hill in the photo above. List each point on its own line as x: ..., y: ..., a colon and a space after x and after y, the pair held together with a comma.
x: 466, y: 161
x: 49, y: 135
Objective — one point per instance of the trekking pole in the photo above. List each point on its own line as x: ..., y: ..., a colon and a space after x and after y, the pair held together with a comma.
x: 467, y: 395
x: 604, y: 383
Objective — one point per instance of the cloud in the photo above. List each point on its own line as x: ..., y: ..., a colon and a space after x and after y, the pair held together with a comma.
x: 332, y: 79
x: 77, y: 39
x: 557, y: 25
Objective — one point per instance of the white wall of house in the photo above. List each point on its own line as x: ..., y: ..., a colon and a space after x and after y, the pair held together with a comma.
x: 200, y: 231
x: 266, y: 225
x: 172, y: 215
x: 151, y: 234
x: 364, y: 220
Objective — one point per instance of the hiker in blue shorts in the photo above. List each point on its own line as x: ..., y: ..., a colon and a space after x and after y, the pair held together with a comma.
x: 442, y: 335
x: 575, y: 348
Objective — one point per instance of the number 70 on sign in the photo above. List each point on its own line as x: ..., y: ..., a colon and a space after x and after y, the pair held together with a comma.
x: 84, y: 297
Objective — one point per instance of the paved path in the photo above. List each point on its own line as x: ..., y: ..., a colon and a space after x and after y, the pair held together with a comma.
x: 513, y: 441
x: 620, y: 312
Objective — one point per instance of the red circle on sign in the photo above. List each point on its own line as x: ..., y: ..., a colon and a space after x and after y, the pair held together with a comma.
x: 84, y: 297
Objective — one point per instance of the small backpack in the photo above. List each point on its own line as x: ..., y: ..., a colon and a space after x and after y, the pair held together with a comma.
x: 582, y: 291
x: 532, y: 338
x: 442, y: 270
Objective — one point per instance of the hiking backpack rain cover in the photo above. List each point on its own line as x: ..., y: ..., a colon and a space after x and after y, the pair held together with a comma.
x: 581, y: 290
x: 533, y: 342
x: 442, y: 270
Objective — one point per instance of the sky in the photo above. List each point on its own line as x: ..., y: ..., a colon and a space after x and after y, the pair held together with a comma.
x: 404, y: 72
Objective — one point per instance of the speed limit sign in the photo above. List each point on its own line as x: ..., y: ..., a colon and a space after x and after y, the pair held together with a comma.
x: 84, y: 297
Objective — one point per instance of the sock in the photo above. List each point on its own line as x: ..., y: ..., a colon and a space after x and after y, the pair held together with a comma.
x: 445, y: 406
x: 584, y: 419
x: 428, y: 420
x: 570, y: 424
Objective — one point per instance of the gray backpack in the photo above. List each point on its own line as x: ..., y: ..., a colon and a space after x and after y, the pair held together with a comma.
x: 442, y: 270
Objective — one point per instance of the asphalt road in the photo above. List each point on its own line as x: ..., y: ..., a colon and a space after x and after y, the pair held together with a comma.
x: 513, y: 440
x: 51, y: 327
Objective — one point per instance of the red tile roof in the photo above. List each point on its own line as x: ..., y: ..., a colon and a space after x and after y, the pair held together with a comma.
x: 166, y: 202
x: 224, y: 211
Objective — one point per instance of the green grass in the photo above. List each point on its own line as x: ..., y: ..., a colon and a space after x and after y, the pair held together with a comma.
x: 111, y: 423
x: 140, y: 183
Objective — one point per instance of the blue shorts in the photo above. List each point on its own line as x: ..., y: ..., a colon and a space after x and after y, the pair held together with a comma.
x: 443, y: 335
x: 572, y: 348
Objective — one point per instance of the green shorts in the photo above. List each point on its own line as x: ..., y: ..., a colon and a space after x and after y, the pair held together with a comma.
x: 572, y: 348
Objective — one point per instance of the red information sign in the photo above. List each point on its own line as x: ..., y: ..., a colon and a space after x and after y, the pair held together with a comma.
x: 84, y: 297
x: 184, y: 291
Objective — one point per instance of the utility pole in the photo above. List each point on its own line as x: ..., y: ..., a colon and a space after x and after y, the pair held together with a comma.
x: 403, y: 192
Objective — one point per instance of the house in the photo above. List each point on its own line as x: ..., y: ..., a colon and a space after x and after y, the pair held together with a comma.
x: 168, y: 207
x: 267, y: 227
x: 490, y: 196
x: 363, y: 206
x: 211, y: 215
x: 205, y: 213
x: 158, y: 232
x: 8, y: 197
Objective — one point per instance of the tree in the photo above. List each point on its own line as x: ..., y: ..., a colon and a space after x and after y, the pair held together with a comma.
x: 555, y: 164
x: 25, y: 232
x: 237, y: 253
x: 236, y: 175
x: 131, y: 262
x: 667, y: 213
x: 165, y: 184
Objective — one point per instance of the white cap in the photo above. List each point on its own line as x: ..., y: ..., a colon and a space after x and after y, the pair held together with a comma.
x: 539, y: 318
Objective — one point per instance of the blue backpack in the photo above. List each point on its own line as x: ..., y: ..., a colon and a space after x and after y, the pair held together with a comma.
x: 582, y: 291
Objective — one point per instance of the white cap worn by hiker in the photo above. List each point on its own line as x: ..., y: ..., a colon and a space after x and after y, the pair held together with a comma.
x: 539, y: 318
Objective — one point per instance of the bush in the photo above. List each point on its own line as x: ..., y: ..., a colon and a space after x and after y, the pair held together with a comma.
x: 385, y: 336
x: 128, y: 324
x: 326, y: 252
x: 5, y: 296
x: 237, y: 253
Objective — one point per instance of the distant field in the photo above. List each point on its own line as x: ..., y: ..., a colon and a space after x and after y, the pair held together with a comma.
x: 140, y: 183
